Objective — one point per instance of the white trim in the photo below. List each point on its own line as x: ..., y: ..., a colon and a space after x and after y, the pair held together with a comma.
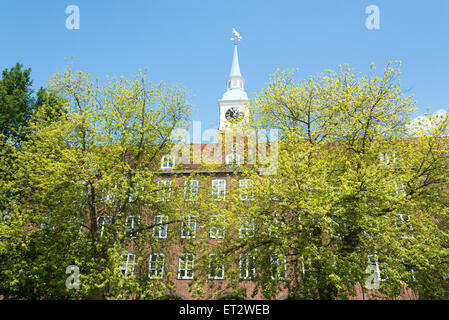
x: 105, y: 220
x: 387, y: 157
x: 161, y: 230
x: 127, y: 264
x: 191, y: 190
x: 247, y: 229
x: 247, y: 184
x: 373, y: 260
x: 186, y: 265
x: 217, y: 231
x: 221, y: 267
x: 135, y: 219
x: 247, y: 272
x: 167, y: 162
x: 156, y: 265
x: 164, y: 190
x: 189, y: 231
x: 404, y: 220
x: 219, y: 189
x: 281, y: 273
x: 233, y: 159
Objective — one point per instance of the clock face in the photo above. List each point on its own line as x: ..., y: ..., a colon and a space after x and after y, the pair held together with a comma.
x: 233, y: 114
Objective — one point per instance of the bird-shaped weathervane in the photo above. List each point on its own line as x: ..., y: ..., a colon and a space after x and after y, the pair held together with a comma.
x: 237, y: 37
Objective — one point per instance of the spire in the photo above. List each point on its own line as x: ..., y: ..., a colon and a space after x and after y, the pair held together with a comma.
x: 235, y: 82
x: 235, y: 68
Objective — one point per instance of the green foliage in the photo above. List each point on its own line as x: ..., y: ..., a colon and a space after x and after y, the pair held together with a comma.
x: 15, y: 101
x: 82, y: 170
x: 351, y: 183
x: 353, y: 191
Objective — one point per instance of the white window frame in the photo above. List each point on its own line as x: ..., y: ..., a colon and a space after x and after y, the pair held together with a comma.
x: 134, y: 194
x: 105, y: 219
x: 191, y: 190
x: 276, y: 224
x: 126, y: 264
x: 156, y: 266
x: 164, y: 190
x: 305, y: 270
x: 186, y: 266
x: 219, y: 189
x: 247, y: 273
x: 404, y: 219
x: 167, y: 162
x: 247, y: 228
x: 160, y: 229
x: 334, y: 224
x: 373, y: 260
x: 217, y: 230
x: 188, y: 228
x: 81, y: 228
x: 399, y: 188
x: 233, y: 159
x: 275, y: 262
x: 387, y: 157
x: 107, y: 194
x: 248, y: 194
x: 131, y: 223
x: 219, y: 268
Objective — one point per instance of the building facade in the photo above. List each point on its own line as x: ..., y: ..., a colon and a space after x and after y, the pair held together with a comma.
x: 217, y: 182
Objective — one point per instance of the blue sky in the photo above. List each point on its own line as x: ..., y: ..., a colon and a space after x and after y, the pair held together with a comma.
x: 188, y: 42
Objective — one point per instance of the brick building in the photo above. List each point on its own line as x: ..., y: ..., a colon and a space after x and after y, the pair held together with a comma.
x: 234, y: 111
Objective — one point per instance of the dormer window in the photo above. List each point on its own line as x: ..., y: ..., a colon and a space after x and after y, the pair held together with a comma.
x: 168, y: 162
x: 233, y: 159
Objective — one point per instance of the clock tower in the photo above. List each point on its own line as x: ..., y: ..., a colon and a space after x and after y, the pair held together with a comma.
x: 234, y: 105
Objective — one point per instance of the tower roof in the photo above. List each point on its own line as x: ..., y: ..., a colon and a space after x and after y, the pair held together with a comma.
x: 235, y: 68
x: 235, y: 82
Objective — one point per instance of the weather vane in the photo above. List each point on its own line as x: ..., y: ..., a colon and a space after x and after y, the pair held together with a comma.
x: 237, y: 37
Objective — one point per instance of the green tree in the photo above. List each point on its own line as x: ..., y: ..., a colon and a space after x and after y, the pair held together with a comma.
x: 16, y: 101
x: 80, y: 179
x: 354, y: 193
x: 17, y: 108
